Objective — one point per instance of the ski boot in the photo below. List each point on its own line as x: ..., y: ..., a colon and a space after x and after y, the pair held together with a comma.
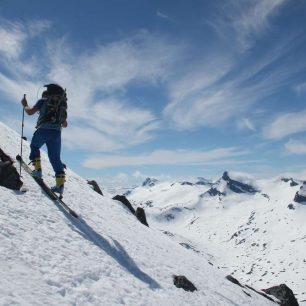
x: 37, y: 167
x: 59, y: 181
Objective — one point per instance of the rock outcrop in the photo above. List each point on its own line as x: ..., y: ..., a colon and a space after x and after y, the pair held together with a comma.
x: 9, y: 176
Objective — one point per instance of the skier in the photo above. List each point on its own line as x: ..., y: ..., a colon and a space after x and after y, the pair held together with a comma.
x: 53, y: 116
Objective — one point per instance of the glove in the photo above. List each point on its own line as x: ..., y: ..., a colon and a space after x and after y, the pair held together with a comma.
x: 24, y: 101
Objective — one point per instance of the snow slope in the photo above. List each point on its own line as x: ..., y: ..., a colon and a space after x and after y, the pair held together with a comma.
x: 106, y: 257
x: 252, y: 235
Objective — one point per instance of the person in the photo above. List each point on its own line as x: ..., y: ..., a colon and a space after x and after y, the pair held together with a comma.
x: 52, y: 108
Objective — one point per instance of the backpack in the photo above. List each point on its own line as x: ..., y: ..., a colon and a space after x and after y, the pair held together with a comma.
x: 56, y: 112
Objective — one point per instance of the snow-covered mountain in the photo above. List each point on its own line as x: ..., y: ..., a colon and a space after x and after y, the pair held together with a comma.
x: 252, y: 229
x: 106, y: 257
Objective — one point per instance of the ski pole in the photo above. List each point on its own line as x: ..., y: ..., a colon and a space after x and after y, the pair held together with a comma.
x: 22, y: 125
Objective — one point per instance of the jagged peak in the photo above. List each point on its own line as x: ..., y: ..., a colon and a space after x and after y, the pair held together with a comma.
x: 149, y: 182
x: 237, y: 183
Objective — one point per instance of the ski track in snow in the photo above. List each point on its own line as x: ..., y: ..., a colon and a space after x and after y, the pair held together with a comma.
x: 106, y: 257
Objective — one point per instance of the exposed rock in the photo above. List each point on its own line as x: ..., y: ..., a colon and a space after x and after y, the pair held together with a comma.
x: 284, y: 294
x: 127, y: 193
x: 202, y: 181
x: 141, y: 216
x: 9, y: 176
x: 125, y: 201
x: 291, y: 180
x: 212, y: 192
x: 149, y: 182
x: 237, y: 186
x: 181, y: 281
x: 95, y: 186
x: 291, y: 206
x: 189, y: 247
x: 233, y: 280
x: 236, y: 282
x: 186, y: 183
x: 299, y: 198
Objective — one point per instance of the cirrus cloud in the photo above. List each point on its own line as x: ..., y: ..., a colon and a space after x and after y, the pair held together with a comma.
x: 285, y: 125
x: 167, y: 157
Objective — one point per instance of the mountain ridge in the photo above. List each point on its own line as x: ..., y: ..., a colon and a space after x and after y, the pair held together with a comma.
x: 261, y: 231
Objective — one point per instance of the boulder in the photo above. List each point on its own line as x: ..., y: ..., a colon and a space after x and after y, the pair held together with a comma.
x: 125, y: 202
x: 181, y: 281
x: 291, y: 206
x: 299, y: 198
x: 141, y: 216
x: 9, y: 176
x: 95, y: 186
x: 284, y: 294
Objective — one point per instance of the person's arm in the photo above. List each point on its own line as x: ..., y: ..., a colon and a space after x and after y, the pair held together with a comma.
x: 65, y: 124
x: 29, y: 110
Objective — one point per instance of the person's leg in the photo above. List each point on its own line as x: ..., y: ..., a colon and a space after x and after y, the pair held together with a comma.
x: 54, y: 152
x: 38, y: 140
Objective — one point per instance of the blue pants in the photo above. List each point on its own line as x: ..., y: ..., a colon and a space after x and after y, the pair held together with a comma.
x: 52, y: 139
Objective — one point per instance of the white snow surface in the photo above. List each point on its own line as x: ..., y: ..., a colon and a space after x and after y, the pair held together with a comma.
x: 255, y: 237
x: 106, y: 257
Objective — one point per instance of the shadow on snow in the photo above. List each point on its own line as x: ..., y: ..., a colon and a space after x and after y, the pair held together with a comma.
x: 116, y: 251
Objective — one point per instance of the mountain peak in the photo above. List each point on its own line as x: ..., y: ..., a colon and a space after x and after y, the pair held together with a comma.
x: 225, y: 176
x: 150, y: 182
x: 237, y: 186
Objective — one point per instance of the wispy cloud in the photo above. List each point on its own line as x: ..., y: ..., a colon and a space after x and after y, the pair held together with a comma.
x: 164, y: 16
x: 223, y: 87
x: 96, y: 86
x: 15, y: 88
x: 300, y: 88
x: 37, y: 27
x: 12, y: 39
x: 111, y: 125
x: 285, y: 125
x: 246, y: 123
x: 247, y: 20
x: 166, y: 157
x: 108, y: 72
x: 296, y: 147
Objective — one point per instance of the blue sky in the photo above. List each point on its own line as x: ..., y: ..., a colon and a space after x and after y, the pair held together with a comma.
x: 170, y: 89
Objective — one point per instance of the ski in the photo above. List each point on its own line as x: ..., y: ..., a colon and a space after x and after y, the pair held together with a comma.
x: 45, y: 188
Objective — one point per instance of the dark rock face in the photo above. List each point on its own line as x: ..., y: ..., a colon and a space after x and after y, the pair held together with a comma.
x: 9, y: 176
x: 141, y: 216
x: 186, y: 183
x: 149, y: 182
x: 125, y: 201
x: 284, y: 294
x: 236, y: 186
x: 202, y: 182
x: 233, y: 280
x: 236, y: 282
x: 212, y: 192
x: 181, y: 281
x: 299, y: 198
x: 95, y: 186
x: 291, y: 180
x: 139, y: 213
